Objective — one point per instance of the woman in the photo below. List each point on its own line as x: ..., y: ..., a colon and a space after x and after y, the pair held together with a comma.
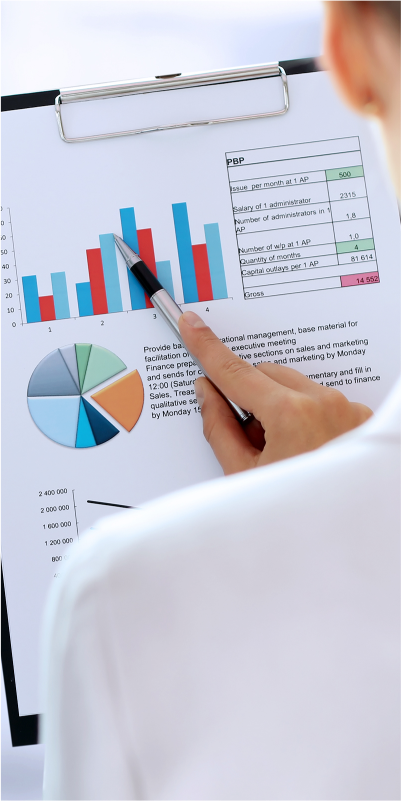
x: 241, y: 639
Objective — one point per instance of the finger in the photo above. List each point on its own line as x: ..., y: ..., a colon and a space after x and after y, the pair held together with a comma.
x: 362, y: 412
x: 290, y: 378
x: 223, y: 432
x: 238, y: 380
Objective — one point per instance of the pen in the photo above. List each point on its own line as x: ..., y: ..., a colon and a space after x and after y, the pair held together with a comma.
x: 168, y: 308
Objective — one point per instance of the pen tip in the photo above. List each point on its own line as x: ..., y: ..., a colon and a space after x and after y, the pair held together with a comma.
x: 125, y: 250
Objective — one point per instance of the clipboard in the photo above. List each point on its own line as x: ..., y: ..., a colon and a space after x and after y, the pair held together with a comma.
x: 24, y: 727
x: 161, y: 83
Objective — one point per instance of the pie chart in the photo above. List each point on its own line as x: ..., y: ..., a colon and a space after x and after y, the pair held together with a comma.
x: 56, y: 389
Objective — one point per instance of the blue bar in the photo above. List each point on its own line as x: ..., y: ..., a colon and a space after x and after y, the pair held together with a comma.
x: 128, y: 226
x: 185, y: 255
x: 130, y: 236
x: 84, y: 296
x: 216, y: 264
x: 31, y: 297
x: 60, y: 295
x: 110, y: 271
x: 164, y: 275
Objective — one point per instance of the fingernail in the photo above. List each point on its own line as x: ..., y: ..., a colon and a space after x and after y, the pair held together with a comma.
x: 193, y: 320
x: 198, y: 389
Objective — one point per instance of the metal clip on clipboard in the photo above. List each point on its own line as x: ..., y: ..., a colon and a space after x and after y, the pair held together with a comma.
x: 163, y: 83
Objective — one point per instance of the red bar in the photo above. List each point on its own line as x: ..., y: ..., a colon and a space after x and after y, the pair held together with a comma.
x: 147, y: 254
x: 202, y: 272
x: 96, y: 278
x: 47, y: 310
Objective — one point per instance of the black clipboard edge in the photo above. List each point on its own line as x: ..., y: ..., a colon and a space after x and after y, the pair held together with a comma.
x: 24, y: 728
x: 31, y: 100
x: 37, y: 99
x: 299, y: 66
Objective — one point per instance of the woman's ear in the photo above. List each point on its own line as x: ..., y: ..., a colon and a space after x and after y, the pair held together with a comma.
x: 348, y: 56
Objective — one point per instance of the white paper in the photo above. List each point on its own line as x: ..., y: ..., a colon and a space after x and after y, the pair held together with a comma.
x: 60, y: 197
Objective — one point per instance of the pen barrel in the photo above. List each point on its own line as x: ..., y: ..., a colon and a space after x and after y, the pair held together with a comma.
x: 169, y: 310
x: 171, y: 313
x: 167, y: 307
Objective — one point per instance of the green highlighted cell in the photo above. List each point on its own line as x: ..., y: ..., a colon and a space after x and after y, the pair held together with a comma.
x: 344, y: 172
x: 356, y: 244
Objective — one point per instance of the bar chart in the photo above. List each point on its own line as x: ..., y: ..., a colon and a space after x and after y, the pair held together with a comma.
x: 201, y: 266
x: 199, y: 271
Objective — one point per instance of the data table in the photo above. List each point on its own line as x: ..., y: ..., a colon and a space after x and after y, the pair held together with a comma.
x: 302, y: 217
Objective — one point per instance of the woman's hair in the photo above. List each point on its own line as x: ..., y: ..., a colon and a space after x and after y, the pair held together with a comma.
x: 390, y: 9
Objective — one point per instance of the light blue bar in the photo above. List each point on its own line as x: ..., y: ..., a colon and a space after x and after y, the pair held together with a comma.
x: 60, y: 295
x: 216, y: 264
x: 130, y: 236
x: 31, y: 297
x: 164, y: 275
x: 84, y: 296
x: 110, y: 272
x: 185, y: 255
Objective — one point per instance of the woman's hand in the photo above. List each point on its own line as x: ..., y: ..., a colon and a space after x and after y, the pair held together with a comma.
x: 292, y: 413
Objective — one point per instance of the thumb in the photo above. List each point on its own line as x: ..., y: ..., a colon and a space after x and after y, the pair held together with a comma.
x: 223, y: 432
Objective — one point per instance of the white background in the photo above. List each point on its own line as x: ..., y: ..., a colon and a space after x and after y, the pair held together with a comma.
x: 57, y: 43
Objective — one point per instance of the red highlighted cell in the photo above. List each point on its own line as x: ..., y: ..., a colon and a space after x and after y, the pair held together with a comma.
x: 147, y: 254
x: 360, y: 279
x: 47, y: 310
x: 96, y: 279
x: 202, y: 272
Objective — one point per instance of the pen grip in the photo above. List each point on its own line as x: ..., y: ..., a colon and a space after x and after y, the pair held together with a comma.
x: 171, y: 313
x: 147, y: 280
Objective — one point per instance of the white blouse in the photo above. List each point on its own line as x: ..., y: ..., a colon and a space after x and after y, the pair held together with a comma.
x: 238, y: 639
